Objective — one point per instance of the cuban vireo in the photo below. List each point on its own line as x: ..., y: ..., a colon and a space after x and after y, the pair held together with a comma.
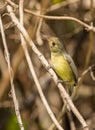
x: 63, y: 63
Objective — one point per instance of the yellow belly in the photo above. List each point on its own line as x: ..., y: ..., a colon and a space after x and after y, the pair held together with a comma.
x: 63, y: 69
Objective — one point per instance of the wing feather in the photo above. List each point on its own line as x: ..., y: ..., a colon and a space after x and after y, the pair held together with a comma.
x: 72, y: 64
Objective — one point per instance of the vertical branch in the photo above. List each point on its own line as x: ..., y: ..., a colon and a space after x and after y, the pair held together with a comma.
x: 72, y: 124
x: 7, y: 56
x: 44, y: 5
x: 90, y: 37
x: 61, y: 114
x: 23, y: 42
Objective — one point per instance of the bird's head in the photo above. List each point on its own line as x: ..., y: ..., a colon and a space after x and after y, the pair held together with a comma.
x: 55, y: 45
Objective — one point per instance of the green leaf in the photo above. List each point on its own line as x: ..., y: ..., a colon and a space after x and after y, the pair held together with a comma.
x: 12, y: 124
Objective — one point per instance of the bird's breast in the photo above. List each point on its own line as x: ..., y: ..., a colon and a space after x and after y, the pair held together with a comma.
x: 62, y: 68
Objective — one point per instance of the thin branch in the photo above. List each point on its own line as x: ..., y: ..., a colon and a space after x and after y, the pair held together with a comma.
x: 80, y: 79
x: 43, y: 9
x: 11, y: 77
x: 61, y: 114
x: 38, y: 36
x: 63, y: 93
x: 23, y: 42
x: 85, y: 72
x: 91, y: 36
x: 72, y: 124
x: 88, y: 27
x: 92, y: 75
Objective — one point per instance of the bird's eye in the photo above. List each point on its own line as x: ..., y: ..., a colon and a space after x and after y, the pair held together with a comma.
x: 53, y: 43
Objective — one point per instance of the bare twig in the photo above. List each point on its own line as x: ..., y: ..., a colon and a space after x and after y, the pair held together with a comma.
x: 38, y: 36
x: 11, y: 77
x: 92, y: 75
x: 61, y: 114
x: 88, y: 27
x: 72, y: 124
x: 91, y: 37
x: 63, y: 93
x: 33, y: 71
x: 44, y: 5
x: 85, y: 72
x: 80, y: 79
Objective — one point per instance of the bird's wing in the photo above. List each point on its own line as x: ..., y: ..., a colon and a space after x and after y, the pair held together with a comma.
x: 73, y: 66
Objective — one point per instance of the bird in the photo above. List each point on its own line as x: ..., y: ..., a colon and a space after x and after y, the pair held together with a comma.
x: 63, y: 63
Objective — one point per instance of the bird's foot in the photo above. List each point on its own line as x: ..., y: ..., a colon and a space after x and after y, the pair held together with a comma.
x: 49, y: 67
